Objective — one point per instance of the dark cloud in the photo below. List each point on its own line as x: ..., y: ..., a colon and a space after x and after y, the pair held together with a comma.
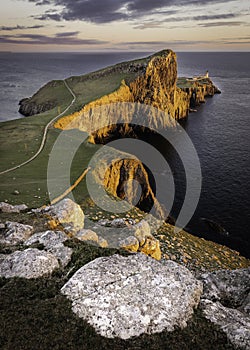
x: 218, y: 16
x: 59, y: 39
x: 18, y: 27
x: 157, y: 24
x: 221, y: 24
x: 66, y: 34
x: 106, y: 11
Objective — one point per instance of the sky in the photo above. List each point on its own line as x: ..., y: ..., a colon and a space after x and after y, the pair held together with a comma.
x: 131, y: 25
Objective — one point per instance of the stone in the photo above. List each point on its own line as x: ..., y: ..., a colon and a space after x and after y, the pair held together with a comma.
x: 231, y: 321
x: 8, y: 208
x: 48, y: 238
x: 128, y: 296
x: 226, y: 303
x: 142, y: 231
x: 118, y: 223
x: 15, y: 233
x: 29, y: 263
x: 66, y: 214
x: 152, y: 248
x: 53, y: 243
x: 87, y: 235
x: 148, y: 244
x: 130, y: 243
x: 102, y: 242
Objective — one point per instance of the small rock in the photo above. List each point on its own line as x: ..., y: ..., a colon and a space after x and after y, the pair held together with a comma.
x: 130, y: 243
x: 102, y: 242
x: 87, y: 235
x: 16, y: 192
x: 30, y: 263
x: 118, y: 223
x: 66, y: 214
x: 142, y: 231
x: 8, y: 208
x: 125, y: 297
x: 53, y: 243
x: 226, y: 303
x: 15, y: 233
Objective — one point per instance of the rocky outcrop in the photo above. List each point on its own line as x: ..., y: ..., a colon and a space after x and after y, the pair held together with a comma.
x: 128, y: 296
x: 53, y: 243
x: 125, y: 177
x: 30, y: 263
x: 8, y: 208
x: 66, y: 215
x: 226, y: 303
x: 15, y: 233
x: 41, y: 101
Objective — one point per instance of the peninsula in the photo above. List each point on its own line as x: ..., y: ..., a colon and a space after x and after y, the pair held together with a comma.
x: 76, y: 276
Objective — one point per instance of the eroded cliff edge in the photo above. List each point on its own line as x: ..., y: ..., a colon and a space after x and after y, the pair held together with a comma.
x: 152, y: 81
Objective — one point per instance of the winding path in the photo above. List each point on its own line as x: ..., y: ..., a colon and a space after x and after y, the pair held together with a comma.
x: 45, y: 132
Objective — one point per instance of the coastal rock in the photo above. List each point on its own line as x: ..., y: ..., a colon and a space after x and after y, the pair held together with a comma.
x: 148, y: 244
x: 15, y: 233
x: 130, y: 243
x: 226, y: 302
x: 67, y: 215
x: 53, y: 243
x: 128, y: 296
x: 89, y: 235
x: 8, y: 208
x: 30, y: 263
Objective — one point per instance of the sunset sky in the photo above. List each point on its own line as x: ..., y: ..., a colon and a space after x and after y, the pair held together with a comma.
x: 139, y: 25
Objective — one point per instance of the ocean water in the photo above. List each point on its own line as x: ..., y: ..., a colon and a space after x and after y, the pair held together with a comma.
x: 220, y: 129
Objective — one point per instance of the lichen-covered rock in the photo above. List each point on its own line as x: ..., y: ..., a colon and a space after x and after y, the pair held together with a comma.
x: 128, y: 296
x: 234, y: 323
x: 148, y: 244
x: 47, y: 238
x: 102, y: 242
x: 142, y: 231
x: 130, y: 243
x: 53, y: 243
x: 226, y: 302
x: 229, y: 287
x: 29, y: 263
x: 15, y: 233
x: 9, y: 208
x: 87, y: 235
x: 66, y: 214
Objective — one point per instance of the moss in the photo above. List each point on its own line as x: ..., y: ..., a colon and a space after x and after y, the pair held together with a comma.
x: 42, y: 319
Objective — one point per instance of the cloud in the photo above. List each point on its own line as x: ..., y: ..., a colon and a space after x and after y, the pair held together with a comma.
x: 67, y: 38
x: 160, y: 23
x: 66, y: 34
x: 107, y: 11
x: 221, y: 24
x: 18, y: 27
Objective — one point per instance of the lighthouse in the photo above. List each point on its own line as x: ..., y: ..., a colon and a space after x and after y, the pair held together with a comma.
x: 207, y: 74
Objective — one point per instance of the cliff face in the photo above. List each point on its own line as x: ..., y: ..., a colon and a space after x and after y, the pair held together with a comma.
x: 125, y: 177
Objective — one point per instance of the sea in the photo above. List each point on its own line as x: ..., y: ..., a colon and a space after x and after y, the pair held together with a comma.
x: 219, y: 130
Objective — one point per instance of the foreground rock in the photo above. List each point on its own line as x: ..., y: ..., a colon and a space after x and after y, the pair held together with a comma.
x: 8, y: 208
x: 140, y: 239
x: 91, y: 236
x: 67, y: 215
x: 30, y: 263
x: 226, y: 303
x: 128, y: 296
x: 15, y: 233
x: 53, y: 243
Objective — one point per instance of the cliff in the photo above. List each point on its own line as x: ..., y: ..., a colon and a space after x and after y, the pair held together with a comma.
x: 152, y: 81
